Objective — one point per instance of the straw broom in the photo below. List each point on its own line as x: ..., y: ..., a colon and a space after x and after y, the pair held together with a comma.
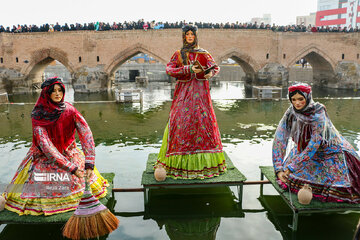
x: 91, y: 218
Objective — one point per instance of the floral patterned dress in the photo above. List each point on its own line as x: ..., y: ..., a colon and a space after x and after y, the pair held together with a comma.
x: 43, y: 183
x: 191, y: 146
x: 320, y: 157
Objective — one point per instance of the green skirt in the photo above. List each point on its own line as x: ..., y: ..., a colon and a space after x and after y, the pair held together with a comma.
x: 191, y: 166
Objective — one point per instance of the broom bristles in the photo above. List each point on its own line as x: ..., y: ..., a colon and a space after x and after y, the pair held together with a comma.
x: 85, y: 227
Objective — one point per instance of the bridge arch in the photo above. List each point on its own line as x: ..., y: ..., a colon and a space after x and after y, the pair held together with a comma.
x: 128, y: 53
x: 247, y: 63
x: 40, y: 59
x: 323, y: 66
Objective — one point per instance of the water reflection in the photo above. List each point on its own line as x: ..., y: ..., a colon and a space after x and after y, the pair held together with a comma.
x: 192, y: 229
x: 281, y: 215
x: 125, y: 135
x: 34, y: 231
x: 238, y: 120
x: 192, y: 213
x: 163, y: 91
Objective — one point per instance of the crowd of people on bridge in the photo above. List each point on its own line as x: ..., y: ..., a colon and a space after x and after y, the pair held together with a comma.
x: 146, y: 25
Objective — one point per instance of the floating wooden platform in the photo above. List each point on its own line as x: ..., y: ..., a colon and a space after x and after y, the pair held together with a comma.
x: 297, y: 208
x: 233, y: 177
x: 8, y: 217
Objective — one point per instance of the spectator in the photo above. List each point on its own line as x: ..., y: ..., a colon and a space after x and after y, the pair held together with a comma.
x: 51, y: 28
x: 145, y: 26
x: 57, y: 27
x: 97, y: 26
x: 142, y: 24
x: 114, y: 26
x: 314, y: 29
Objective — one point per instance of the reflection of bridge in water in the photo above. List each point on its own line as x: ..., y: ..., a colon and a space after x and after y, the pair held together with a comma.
x: 155, y: 72
x: 92, y: 58
x: 129, y: 72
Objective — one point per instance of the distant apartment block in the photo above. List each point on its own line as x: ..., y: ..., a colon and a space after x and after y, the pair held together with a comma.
x: 339, y: 13
x: 306, y: 20
x: 266, y: 19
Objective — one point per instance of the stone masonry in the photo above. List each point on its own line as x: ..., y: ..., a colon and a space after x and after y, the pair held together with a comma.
x: 92, y: 58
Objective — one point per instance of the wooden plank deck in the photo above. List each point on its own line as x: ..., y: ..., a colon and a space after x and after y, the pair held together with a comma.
x: 297, y: 208
x: 8, y: 217
x: 232, y: 177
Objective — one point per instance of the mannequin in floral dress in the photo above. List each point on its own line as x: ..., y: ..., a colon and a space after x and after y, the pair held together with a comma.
x: 191, y: 147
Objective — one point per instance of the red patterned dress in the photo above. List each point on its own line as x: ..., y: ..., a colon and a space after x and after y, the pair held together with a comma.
x: 191, y: 146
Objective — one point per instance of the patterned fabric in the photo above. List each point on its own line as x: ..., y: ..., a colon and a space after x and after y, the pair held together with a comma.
x: 325, y: 160
x: 49, y: 206
x: 44, y: 158
x: 191, y: 145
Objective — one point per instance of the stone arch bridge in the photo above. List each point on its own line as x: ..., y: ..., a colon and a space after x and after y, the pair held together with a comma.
x: 93, y: 57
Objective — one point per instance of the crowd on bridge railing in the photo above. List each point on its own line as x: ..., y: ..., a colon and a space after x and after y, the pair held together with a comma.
x: 145, y: 25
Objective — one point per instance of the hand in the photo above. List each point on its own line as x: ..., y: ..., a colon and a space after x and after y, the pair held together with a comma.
x: 209, y: 75
x: 79, y: 173
x: 196, y: 69
x: 89, y: 173
x: 283, y: 176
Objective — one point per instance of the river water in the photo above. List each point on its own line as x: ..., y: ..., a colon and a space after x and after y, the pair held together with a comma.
x: 125, y: 134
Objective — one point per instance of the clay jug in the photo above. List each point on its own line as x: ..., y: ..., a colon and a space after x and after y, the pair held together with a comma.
x: 2, y: 203
x: 160, y: 173
x: 305, y: 194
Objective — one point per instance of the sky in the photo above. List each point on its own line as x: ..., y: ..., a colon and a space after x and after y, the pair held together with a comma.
x: 38, y: 12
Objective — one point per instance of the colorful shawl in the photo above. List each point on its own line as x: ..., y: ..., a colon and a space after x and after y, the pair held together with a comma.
x: 299, y: 122
x: 54, y: 117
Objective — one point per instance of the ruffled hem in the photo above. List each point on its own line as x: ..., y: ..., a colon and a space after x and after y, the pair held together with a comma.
x: 50, y: 206
x: 323, y: 193
x: 194, y: 166
x: 200, y: 165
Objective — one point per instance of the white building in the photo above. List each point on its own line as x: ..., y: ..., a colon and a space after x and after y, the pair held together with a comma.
x: 266, y: 19
x: 306, y: 20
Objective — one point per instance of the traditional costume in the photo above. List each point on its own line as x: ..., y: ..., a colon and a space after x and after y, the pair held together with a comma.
x: 191, y: 146
x: 317, y: 153
x: 45, y: 182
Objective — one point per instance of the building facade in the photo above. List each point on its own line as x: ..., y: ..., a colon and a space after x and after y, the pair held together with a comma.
x: 306, y: 20
x: 266, y: 19
x: 338, y: 13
